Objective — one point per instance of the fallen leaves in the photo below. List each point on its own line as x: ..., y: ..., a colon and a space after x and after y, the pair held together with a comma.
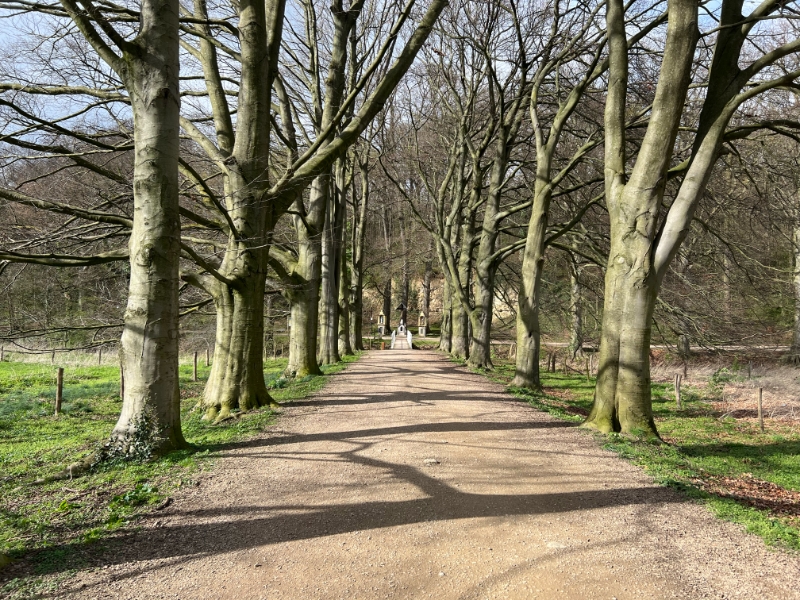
x: 757, y: 493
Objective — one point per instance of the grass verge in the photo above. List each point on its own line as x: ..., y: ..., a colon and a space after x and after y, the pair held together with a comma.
x: 741, y: 474
x: 50, y: 524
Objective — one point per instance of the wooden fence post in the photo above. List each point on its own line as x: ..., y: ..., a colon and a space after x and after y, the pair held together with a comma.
x: 207, y: 358
x: 99, y: 356
x: 761, y: 408
x: 59, y: 389
x: 121, y: 382
x: 194, y: 367
x: 678, y: 391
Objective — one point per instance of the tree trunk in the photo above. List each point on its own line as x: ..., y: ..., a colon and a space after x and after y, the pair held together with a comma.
x: 405, y: 284
x: 357, y: 261
x: 727, y: 265
x: 317, y: 264
x: 636, y: 260
x: 576, y: 311
x: 446, y: 326
x: 684, y: 346
x: 794, y: 352
x: 356, y: 306
x: 425, y: 309
x: 149, y: 422
x: 459, y: 345
x: 526, y: 373
x: 480, y: 356
x: 357, y: 309
x: 329, y: 293
x: 303, y: 334
x: 622, y: 394
x: 304, y: 299
x: 460, y: 300
x: 486, y: 267
x: 345, y: 349
x: 236, y: 380
x: 387, y: 304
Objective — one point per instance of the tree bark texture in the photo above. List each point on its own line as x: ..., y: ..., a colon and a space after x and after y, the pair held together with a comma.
x: 460, y: 304
x: 328, y: 351
x: 576, y: 310
x: 425, y: 309
x: 303, y: 293
x: 459, y: 326
x: 344, y: 347
x: 149, y: 421
x: 622, y: 394
x: 446, y: 326
x: 526, y: 373
x: 795, y: 349
x: 236, y: 380
x: 357, y: 258
x: 480, y: 356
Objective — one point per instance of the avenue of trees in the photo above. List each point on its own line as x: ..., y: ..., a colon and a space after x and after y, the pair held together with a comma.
x: 507, y: 168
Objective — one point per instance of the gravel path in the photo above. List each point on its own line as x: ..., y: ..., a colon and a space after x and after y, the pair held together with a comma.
x: 408, y: 477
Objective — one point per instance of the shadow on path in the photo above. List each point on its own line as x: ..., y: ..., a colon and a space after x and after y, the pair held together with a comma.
x: 212, y: 531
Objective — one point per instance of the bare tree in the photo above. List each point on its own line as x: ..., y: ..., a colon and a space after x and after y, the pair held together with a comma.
x: 642, y: 243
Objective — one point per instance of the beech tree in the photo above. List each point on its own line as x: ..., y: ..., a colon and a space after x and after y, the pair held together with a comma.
x: 355, y: 264
x: 492, y: 177
x: 241, y: 154
x: 645, y: 235
x: 563, y: 106
x: 148, y: 66
x: 477, y: 84
x: 296, y: 138
x: 300, y: 269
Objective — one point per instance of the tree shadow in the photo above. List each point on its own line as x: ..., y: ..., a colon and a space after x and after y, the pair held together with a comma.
x: 219, y: 530
x: 757, y: 450
x: 207, y: 532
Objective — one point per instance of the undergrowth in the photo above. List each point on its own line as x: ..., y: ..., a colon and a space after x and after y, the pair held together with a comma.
x: 49, y: 523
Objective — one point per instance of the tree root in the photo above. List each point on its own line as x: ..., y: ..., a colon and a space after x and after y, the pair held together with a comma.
x: 76, y: 469
x: 217, y: 414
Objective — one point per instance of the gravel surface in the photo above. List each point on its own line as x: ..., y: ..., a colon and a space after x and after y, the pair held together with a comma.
x: 408, y: 477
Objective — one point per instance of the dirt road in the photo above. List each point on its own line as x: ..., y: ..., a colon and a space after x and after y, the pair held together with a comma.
x: 409, y: 477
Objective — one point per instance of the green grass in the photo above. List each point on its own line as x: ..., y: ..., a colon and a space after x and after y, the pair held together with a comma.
x: 706, y: 456
x: 46, y: 520
x: 426, y: 343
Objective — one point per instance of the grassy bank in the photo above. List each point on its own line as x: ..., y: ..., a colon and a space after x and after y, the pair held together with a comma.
x: 742, y: 474
x: 35, y: 444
